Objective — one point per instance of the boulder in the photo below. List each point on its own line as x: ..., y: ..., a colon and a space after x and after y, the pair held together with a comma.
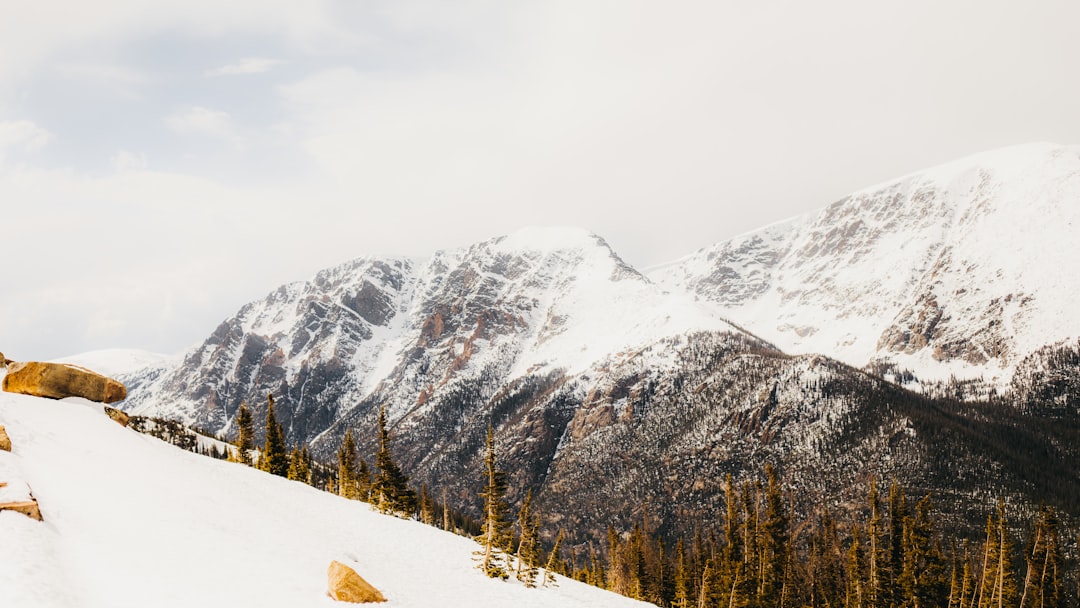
x: 119, y: 417
x: 28, y: 508
x: 16, y: 497
x: 5, y: 441
x: 345, y: 585
x: 59, y: 380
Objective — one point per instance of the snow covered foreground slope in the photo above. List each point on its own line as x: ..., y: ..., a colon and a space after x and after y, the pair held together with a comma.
x: 131, y: 521
x: 963, y: 269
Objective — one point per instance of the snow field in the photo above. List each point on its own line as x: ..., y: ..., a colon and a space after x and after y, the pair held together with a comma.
x: 131, y: 521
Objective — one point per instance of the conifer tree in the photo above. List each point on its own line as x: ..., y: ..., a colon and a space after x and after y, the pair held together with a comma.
x: 528, y: 552
x: 427, y: 506
x: 274, y: 459
x: 732, y: 553
x: 682, y: 583
x: 1042, y: 556
x: 895, y: 557
x: 447, y: 519
x: 922, y: 579
x: 999, y: 583
x: 298, y: 466
x: 363, y: 482
x: 968, y: 586
x: 390, y: 489
x: 856, y: 559
x: 773, y: 544
x: 495, y: 522
x: 554, y: 562
x: 616, y: 579
x: 347, y: 474
x: 245, y: 434
x: 875, y: 551
x: 709, y: 589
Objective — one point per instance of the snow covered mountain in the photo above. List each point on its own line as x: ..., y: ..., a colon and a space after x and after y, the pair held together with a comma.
x: 960, y: 270
x: 537, y: 302
x: 131, y: 521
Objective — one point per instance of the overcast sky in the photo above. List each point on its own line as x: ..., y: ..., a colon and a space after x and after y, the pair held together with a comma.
x: 162, y: 163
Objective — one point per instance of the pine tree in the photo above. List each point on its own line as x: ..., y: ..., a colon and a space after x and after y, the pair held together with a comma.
x: 528, y: 552
x: 895, y: 557
x: 554, y: 562
x: 682, y: 582
x: 922, y: 580
x: 1042, y: 556
x: 856, y: 562
x: 298, y: 466
x: 245, y: 434
x: 390, y: 490
x: 447, y: 519
x: 875, y: 558
x: 773, y: 544
x: 363, y: 482
x: 495, y: 522
x: 999, y: 583
x: 274, y: 459
x: 347, y: 473
x: 427, y: 506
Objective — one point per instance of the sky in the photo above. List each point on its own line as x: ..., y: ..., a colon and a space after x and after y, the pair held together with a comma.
x: 162, y: 163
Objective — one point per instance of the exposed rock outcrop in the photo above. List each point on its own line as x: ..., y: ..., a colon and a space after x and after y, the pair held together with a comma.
x: 16, y: 497
x: 345, y: 585
x: 119, y: 417
x: 60, y: 380
x: 5, y: 441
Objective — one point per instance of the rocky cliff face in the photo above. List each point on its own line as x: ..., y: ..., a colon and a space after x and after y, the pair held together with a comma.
x: 959, y: 270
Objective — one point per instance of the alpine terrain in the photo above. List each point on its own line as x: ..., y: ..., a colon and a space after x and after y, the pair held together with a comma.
x: 613, y: 393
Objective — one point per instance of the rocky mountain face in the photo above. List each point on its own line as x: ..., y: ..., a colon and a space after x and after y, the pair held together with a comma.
x: 612, y: 393
x: 961, y: 270
x: 408, y: 335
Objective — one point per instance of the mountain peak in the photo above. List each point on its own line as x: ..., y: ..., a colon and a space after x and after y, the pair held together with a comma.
x: 548, y: 238
x: 1006, y: 163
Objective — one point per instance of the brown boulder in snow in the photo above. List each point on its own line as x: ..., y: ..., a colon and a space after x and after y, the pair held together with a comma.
x: 28, y: 508
x: 5, y: 441
x: 119, y: 417
x: 345, y: 585
x: 59, y: 380
x: 17, y: 497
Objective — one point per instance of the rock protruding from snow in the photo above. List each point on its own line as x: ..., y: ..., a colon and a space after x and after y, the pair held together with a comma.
x: 59, y: 380
x: 5, y: 441
x: 15, y: 496
x: 345, y: 585
x: 117, y: 416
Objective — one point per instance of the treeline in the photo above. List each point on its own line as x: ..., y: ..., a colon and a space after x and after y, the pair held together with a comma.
x: 892, y: 555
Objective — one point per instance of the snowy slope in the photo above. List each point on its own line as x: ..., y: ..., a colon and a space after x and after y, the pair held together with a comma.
x: 131, y: 521
x: 962, y: 269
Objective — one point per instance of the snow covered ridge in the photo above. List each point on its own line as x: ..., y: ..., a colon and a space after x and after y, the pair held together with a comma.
x: 961, y: 270
x: 535, y: 302
x: 131, y: 521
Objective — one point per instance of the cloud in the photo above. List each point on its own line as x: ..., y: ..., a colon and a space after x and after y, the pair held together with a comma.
x: 250, y: 65
x: 124, y: 160
x: 22, y: 134
x: 197, y: 120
